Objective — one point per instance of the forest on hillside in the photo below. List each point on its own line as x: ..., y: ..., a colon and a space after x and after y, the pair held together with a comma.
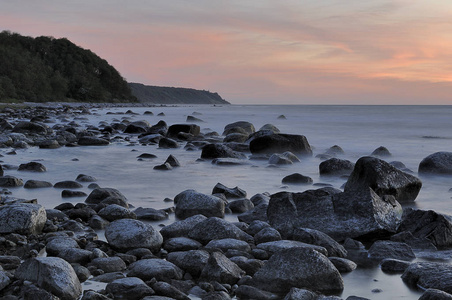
x: 46, y: 69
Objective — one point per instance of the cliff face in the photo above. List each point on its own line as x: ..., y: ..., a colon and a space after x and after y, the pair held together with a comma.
x: 172, y: 95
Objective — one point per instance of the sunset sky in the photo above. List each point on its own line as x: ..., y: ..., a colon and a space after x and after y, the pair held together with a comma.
x: 262, y: 52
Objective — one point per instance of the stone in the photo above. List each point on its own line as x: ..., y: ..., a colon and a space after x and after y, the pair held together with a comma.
x: 60, y: 243
x: 127, y: 234
x: 172, y: 161
x: 174, y: 129
x: 75, y: 255
x: 390, y: 249
x: 315, y: 237
x: 279, y: 143
x: 381, y: 152
x: 439, y: 163
x: 22, y: 218
x: 268, y: 234
x: 131, y: 288
x: 230, y: 162
x: 212, y: 151
x: 114, y: 212
x: 189, y: 203
x: 215, y: 228
x: 229, y: 193
x: 32, y: 166
x: 247, y: 127
x: 383, y: 179
x: 52, y: 274
x: 37, y: 184
x: 92, y: 141
x: 258, y: 213
x: 427, y: 275
x: 228, y: 243
x: 221, y: 269
x: 167, y: 143
x: 99, y: 195
x: 4, y: 280
x: 277, y: 246
x: 297, y: 178
x: 163, y: 167
x: 235, y: 137
x: 250, y: 292
x: 71, y: 194
x: 240, y: 206
x: 421, y: 243
x: 192, y: 261
x: 150, y: 214
x: 166, y: 289
x: 10, y: 181
x: 85, y: 178
x: 67, y: 184
x: 300, y: 268
x: 31, y: 127
x: 391, y: 265
x: 109, y: 264
x: 343, y: 265
x: 336, y: 167
x: 181, y: 228
x: 160, y: 269
x: 434, y: 294
x: 181, y: 244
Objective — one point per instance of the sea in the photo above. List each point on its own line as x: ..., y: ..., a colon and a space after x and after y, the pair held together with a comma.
x: 410, y: 133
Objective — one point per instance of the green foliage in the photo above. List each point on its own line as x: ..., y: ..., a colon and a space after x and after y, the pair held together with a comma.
x: 47, y: 69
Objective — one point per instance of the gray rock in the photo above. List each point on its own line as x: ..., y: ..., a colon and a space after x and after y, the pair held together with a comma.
x: 250, y: 292
x: 59, y: 243
x: 31, y: 127
x: 390, y: 249
x: 381, y: 152
x: 22, y: 218
x: 150, y: 214
x: 297, y: 178
x: 278, y: 143
x: 212, y: 151
x: 278, y: 246
x: 162, y: 270
x: 114, y: 212
x: 32, y: 166
x: 101, y: 194
x: 315, y: 237
x: 189, y: 203
x: 163, y: 167
x: 67, y: 184
x: 336, y: 167
x: 128, y: 233
x: 75, y: 255
x: 215, y: 228
x: 247, y: 127
x: 301, y: 294
x: 109, y: 264
x: 343, y: 265
x: 72, y: 194
x: 86, y: 178
x: 249, y: 265
x: 175, y: 129
x: 240, y: 206
x: 230, y: 162
x: 256, y: 226
x: 52, y: 274
x: 92, y: 295
x: 172, y: 161
x: 258, y: 213
x: 10, y: 181
x: 300, y: 268
x: 92, y: 141
x: 216, y: 295
x: 221, y: 269
x: 279, y: 159
x: 391, y: 265
x: 4, y: 280
x: 167, y: 143
x: 226, y: 244
x: 433, y: 294
x: 421, y: 243
x: 37, y: 184
x: 229, y: 193
x: 383, y: 179
x: 131, y: 288
x: 235, y: 137
x: 181, y: 244
x: 439, y: 163
x: 192, y: 261
x: 181, y: 228
x: 109, y: 277
x: 429, y: 275
x: 166, y: 289
x: 268, y: 234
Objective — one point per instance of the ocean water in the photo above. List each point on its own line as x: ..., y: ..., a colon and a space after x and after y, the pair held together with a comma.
x: 409, y: 132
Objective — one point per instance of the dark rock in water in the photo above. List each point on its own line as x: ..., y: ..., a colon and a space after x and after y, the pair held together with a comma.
x: 268, y: 234
x: 181, y: 228
x: 228, y: 244
x: 418, y: 243
x: 343, y: 265
x: 240, y: 206
x: 174, y: 130
x: 150, y: 214
x: 429, y: 275
x: 250, y: 292
x: 300, y: 268
x: 150, y: 139
x: 166, y: 289
x: 147, y: 156
x: 428, y: 224
x: 439, y: 163
x: 230, y: 162
x: 10, y: 181
x: 229, y: 193
x: 131, y: 288
x: 391, y: 265
x: 86, y: 178
x: 101, y: 194
x: 279, y: 159
x: 239, y: 147
x: 149, y: 113
x: 69, y: 194
x: 335, y: 150
x: 383, y: 179
x: 212, y: 151
x: 280, y: 245
x: 270, y: 127
x: 115, y: 212
x: 50, y: 144
x: 297, y: 178
x: 127, y: 234
x: 194, y: 119
x: 75, y: 255
x: 338, y: 214
x: 189, y: 203
x: 282, y: 117
x: 22, y: 218
x: 390, y: 249
x: 4, y: 280
x: 160, y: 269
x: 36, y: 184
x: 336, y: 167
x: 246, y: 126
x: 216, y: 228
x: 221, y: 269
x: 259, y: 212
x: 235, y: 138
x: 172, y: 161
x: 161, y: 128
x: 434, y: 294
x: 52, y: 274
x: 163, y: 167
x: 315, y: 237
x: 92, y: 141
x: 167, y: 143
x: 67, y: 184
x: 31, y: 127
x: 192, y: 261
x: 181, y: 244
x: 278, y: 143
x: 108, y: 264
x: 381, y: 152
x: 133, y: 128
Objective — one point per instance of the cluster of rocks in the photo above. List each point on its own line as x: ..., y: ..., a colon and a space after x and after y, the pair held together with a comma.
x: 284, y: 246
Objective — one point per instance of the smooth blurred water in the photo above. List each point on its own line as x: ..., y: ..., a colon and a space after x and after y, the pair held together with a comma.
x: 409, y: 132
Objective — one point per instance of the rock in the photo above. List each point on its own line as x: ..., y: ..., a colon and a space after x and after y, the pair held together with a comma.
x: 217, y: 295
x: 22, y: 218
x: 268, y: 234
x: 109, y: 277
x: 31, y: 127
x: 131, y: 288
x: 160, y: 128
x: 114, y: 212
x: 109, y: 264
x: 166, y: 289
x: 173, y: 130
x: 256, y: 226
x: 133, y: 128
x: 150, y: 139
x: 85, y: 178
x: 278, y: 143
x: 250, y: 292
x: 32, y: 167
x: 390, y: 249
x: 230, y: 193
x: 181, y: 228
x: 216, y: 228
x: 381, y: 152
x: 60, y: 243
x: 240, y: 206
x: 128, y: 234
x: 67, y: 184
x: 439, y: 163
x: 340, y: 215
x: 4, y: 280
x: 429, y: 275
x: 336, y: 167
x: 75, y: 255
x: 315, y: 237
x: 150, y: 214
x: 192, y: 261
x: 92, y: 141
x: 221, y: 269
x: 101, y: 194
x: 167, y: 143
x: 37, y: 184
x: 194, y: 119
x: 259, y: 212
x: 181, y: 244
x: 163, y: 167
x: 172, y: 161
x: 10, y: 181
x: 383, y: 179
x: 189, y: 203
x: 228, y: 243
x: 433, y: 294
x: 230, y: 162
x: 297, y: 178
x: 277, y: 246
x: 159, y: 269
x: 391, y: 265
x: 428, y: 224
x: 235, y: 137
x: 415, y: 243
x: 300, y: 268
x: 69, y: 194
x: 212, y: 151
x: 247, y: 127
x: 343, y: 265
x: 52, y: 274
x: 147, y: 156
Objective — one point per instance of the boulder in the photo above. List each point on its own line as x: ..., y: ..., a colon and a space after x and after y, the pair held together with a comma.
x: 228, y: 243
x: 381, y: 152
x: 258, y: 213
x: 247, y: 127
x: 165, y: 289
x: 383, y: 179
x: 115, y: 212
x: 92, y: 141
x: 52, y: 274
x: 279, y: 143
x: 60, y: 243
x: 22, y: 218
x: 229, y: 193
x: 427, y: 275
x: 109, y: 264
x: 167, y: 143
x: 439, y: 163
x: 300, y: 268
x: 250, y: 292
x: 277, y: 246
x: 212, y: 151
x: 160, y: 269
x: 181, y: 228
x: 67, y: 184
x: 268, y: 234
x: 127, y: 234
x: 189, y: 203
x: 173, y: 130
x: 315, y: 237
x: 216, y: 228
x: 181, y: 244
x: 37, y: 184
x: 85, y: 178
x: 71, y: 194
x: 240, y: 205
x: 434, y: 294
x: 192, y: 261
x: 163, y: 167
x: 172, y: 161
x: 221, y: 269
x: 389, y: 249
x: 4, y: 280
x: 343, y: 265
x: 391, y: 265
x: 336, y: 167
x: 131, y: 288
x: 31, y: 127
x: 32, y: 166
x: 235, y: 137
x: 160, y: 128
x: 297, y: 178
x: 101, y: 194
x: 10, y: 181
x: 150, y: 214
x: 230, y: 162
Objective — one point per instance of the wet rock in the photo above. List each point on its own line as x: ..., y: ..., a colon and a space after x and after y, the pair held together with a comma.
x: 256, y: 226
x: 134, y: 128
x: 67, y: 184
x: 31, y: 127
x: 315, y: 237
x: 150, y: 139
x: 22, y: 218
x: 230, y: 193
x: 439, y: 163
x: 343, y: 265
x: 167, y: 143
x: 109, y: 264
x: 240, y: 206
x: 4, y: 280
x: 86, y: 178
x: 268, y: 234
x: 172, y: 161
x: 212, y: 151
x: 429, y: 275
x: 381, y: 152
x: 115, y: 212
x: 181, y: 228
x: 297, y: 178
x: 71, y: 194
x: 221, y: 269
x: 258, y: 213
x: 173, y: 130
x: 278, y: 143
x: 92, y: 141
x: 189, y: 203
x: 230, y: 162
x: 160, y: 128
x: 383, y: 179
x: 10, y: 181
x: 391, y: 265
x: 60, y: 243
x: 32, y: 167
x: 228, y: 243
x: 336, y: 167
x: 192, y: 261
x: 128, y: 234
x: 181, y: 244
x: 277, y: 246
x: 159, y: 269
x: 150, y: 214
x: 216, y: 228
x: 250, y: 292
x: 147, y: 156
x: 163, y: 167
x: 235, y: 138
x: 52, y: 274
x: 422, y: 243
x: 247, y: 127
x: 75, y: 255
x: 37, y: 184
x: 166, y: 289
x: 300, y: 268
x: 99, y: 195
x: 433, y: 294
x: 131, y: 288
x: 92, y: 295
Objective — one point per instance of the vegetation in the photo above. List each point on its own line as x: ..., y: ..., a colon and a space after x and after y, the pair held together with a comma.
x: 47, y: 69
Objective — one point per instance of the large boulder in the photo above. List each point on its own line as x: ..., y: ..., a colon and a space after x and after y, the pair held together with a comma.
x: 300, y: 268
x: 192, y: 261
x: 174, y: 130
x: 216, y: 228
x: 131, y: 288
x: 146, y: 269
x: 339, y: 214
x: 31, y: 127
x: 127, y: 234
x: 439, y: 163
x: 181, y: 228
x: 221, y: 269
x: 336, y: 167
x: 212, y: 151
x: 189, y: 203
x: 100, y: 194
x: 383, y: 179
x: 279, y: 143
x: 427, y: 275
x: 92, y: 141
x: 240, y: 126
x: 52, y: 274
x: 22, y: 218
x: 315, y: 237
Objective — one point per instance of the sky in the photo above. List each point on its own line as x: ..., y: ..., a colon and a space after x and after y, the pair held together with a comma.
x: 262, y: 52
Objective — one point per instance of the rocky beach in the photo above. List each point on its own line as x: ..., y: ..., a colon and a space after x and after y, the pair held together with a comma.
x: 202, y: 202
